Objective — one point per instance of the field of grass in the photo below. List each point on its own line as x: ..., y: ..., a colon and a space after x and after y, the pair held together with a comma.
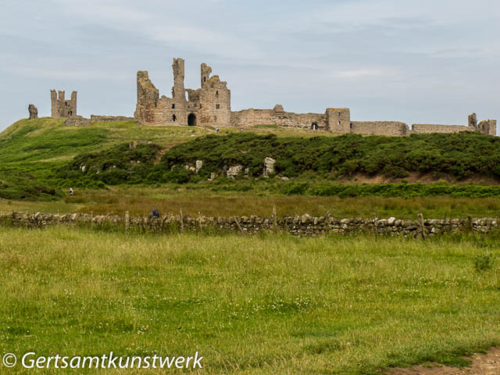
x: 250, y: 305
x: 193, y: 199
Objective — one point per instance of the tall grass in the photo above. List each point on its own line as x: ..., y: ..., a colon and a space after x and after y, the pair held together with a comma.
x: 172, y: 199
x: 255, y: 305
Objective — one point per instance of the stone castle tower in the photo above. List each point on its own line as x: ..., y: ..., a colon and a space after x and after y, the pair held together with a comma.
x: 62, y: 108
x: 208, y: 105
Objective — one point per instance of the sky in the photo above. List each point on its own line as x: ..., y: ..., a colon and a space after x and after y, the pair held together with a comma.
x: 425, y: 61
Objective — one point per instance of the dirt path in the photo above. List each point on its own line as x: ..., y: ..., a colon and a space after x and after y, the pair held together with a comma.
x: 482, y: 364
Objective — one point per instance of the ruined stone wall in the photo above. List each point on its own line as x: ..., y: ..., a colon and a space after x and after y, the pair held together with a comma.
x: 97, y: 118
x: 488, y: 127
x: 62, y: 108
x: 147, y: 100
x: 434, y: 128
x: 278, y: 117
x: 76, y: 121
x: 389, y: 128
x: 304, y: 225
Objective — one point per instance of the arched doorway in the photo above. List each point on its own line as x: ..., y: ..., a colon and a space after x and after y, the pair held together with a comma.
x: 314, y: 126
x: 192, y: 119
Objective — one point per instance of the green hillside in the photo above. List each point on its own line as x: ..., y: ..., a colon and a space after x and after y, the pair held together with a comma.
x: 39, y: 157
x: 31, y: 150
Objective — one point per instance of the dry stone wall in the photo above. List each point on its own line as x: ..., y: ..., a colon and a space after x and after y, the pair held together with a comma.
x: 304, y: 225
x: 97, y: 118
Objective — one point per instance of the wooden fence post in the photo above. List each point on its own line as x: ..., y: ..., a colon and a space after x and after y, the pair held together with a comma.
x: 127, y: 221
x: 422, y: 225
x: 182, y: 220
x: 275, y: 223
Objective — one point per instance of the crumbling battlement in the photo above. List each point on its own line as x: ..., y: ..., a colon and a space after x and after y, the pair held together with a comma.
x: 487, y: 127
x: 208, y: 105
x: 62, y: 108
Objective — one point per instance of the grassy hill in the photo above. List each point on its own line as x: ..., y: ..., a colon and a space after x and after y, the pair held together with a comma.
x: 31, y: 150
x: 37, y: 157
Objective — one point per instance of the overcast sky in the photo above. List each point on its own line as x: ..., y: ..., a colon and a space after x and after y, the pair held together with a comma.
x: 425, y: 61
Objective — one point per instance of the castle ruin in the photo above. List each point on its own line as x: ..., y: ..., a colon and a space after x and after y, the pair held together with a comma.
x: 210, y: 105
x: 62, y: 108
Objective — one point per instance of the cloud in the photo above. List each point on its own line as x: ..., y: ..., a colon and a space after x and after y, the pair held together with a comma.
x: 356, y: 73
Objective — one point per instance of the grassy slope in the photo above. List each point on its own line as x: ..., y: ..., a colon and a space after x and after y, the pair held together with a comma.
x: 35, y: 148
x: 48, y: 140
x: 255, y: 305
x: 38, y: 147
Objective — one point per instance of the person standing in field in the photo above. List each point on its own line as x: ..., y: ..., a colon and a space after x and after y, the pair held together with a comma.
x: 70, y: 192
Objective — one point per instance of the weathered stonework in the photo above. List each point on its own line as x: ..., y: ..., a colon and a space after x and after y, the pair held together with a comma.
x: 252, y: 117
x: 77, y: 121
x: 210, y: 105
x: 97, y: 118
x: 435, y: 128
x: 304, y: 225
x: 488, y: 127
x: 389, y: 128
x: 62, y: 108
x: 33, y: 112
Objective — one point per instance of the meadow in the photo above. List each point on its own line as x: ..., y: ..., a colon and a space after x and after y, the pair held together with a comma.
x: 250, y: 305
x: 195, y: 199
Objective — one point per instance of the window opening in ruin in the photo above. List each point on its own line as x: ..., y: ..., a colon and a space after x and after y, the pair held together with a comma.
x: 192, y: 119
x: 70, y: 113
x: 217, y: 93
x: 314, y: 126
x: 339, y: 123
x: 173, y: 106
x: 204, y: 79
x: 174, y: 117
x: 217, y: 106
x: 201, y: 106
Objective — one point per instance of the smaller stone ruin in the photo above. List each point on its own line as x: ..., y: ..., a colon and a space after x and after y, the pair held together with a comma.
x: 33, y: 111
